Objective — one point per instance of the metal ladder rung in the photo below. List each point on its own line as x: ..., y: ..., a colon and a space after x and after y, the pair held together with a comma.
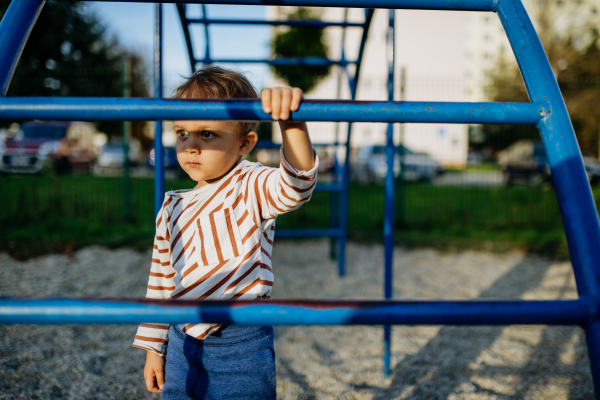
x: 295, y: 23
x: 305, y: 61
x: 331, y: 232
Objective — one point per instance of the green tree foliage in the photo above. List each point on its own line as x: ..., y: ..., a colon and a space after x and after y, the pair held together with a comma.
x: 300, y: 42
x: 68, y: 54
x: 575, y: 59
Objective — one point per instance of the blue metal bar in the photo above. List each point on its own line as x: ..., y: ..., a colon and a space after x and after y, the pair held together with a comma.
x: 295, y: 23
x: 206, y: 36
x: 344, y: 198
x: 579, y: 215
x: 388, y: 219
x: 361, y: 50
x: 15, y: 27
x: 578, y: 210
x: 267, y: 144
x: 307, y: 232
x: 306, y: 61
x: 185, y: 22
x: 159, y: 151
x: 334, y: 198
x: 331, y: 187
x: 105, y: 108
x: 293, y: 312
x: 457, y: 5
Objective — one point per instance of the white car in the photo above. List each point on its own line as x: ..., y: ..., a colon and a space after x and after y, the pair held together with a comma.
x: 371, y: 165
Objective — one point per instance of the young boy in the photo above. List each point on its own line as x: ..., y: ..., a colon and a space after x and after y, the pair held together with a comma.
x: 215, y: 242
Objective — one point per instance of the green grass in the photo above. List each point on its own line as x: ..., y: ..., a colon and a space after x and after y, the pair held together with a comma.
x: 48, y: 214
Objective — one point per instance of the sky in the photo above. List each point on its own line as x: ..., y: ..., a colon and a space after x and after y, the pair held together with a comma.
x: 133, y: 25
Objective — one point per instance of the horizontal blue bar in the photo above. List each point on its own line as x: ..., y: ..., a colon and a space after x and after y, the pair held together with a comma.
x: 267, y: 144
x: 282, y: 233
x: 105, y: 108
x: 305, y: 61
x: 458, y: 5
x: 293, y: 312
x: 289, y: 22
x: 329, y: 187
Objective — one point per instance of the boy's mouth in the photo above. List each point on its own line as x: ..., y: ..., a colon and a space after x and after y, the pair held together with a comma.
x: 193, y: 164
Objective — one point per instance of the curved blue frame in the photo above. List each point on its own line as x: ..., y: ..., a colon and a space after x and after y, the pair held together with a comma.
x: 546, y: 110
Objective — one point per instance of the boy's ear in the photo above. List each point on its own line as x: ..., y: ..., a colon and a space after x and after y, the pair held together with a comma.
x: 248, y: 143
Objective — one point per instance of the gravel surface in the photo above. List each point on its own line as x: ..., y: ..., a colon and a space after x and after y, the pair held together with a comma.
x: 429, y: 362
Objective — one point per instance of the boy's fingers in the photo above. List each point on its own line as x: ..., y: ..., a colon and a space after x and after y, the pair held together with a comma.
x: 275, y: 103
x: 286, y: 100
x: 296, y: 99
x: 160, y: 379
x: 149, y: 378
x: 265, y: 97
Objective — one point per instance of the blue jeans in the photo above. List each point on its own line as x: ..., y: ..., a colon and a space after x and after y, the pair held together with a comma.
x: 235, y: 363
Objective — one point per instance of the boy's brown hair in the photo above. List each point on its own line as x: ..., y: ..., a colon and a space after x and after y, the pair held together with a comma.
x: 211, y: 82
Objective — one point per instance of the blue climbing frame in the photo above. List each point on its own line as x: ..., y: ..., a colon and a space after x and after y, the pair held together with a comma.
x: 337, y: 231
x: 546, y: 110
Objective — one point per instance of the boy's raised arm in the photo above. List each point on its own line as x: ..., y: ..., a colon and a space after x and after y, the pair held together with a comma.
x: 297, y: 147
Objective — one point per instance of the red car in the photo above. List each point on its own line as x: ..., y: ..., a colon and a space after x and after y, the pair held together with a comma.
x: 62, y: 146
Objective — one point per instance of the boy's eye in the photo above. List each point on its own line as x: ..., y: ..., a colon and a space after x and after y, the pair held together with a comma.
x: 182, y: 133
x: 206, y: 134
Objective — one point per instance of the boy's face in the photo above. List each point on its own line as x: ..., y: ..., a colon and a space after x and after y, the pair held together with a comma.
x: 209, y: 149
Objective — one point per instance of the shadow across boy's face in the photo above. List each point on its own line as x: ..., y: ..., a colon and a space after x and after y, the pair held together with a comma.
x: 209, y: 149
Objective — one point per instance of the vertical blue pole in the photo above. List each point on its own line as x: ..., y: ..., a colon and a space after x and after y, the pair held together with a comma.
x: 207, y: 59
x: 335, y: 195
x: 388, y: 221
x: 344, y: 199
x: 15, y: 27
x: 159, y: 171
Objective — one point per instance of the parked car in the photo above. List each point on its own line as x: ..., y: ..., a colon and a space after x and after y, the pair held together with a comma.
x: 371, y: 165
x: 526, y: 161
x: 61, y: 146
x: 111, y: 156
x: 592, y: 167
x: 169, y: 161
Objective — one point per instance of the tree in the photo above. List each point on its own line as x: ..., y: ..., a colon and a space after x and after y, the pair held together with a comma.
x: 300, y: 42
x: 68, y: 54
x: 573, y: 52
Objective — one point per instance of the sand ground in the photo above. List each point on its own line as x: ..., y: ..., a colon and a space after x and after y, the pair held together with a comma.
x: 429, y: 362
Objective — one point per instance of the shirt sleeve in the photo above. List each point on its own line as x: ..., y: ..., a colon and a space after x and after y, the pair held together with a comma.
x: 153, y: 336
x: 276, y: 191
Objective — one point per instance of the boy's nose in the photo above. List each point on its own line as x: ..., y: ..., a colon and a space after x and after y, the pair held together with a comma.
x: 192, y: 146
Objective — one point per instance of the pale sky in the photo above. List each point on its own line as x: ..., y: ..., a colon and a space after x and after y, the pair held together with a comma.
x: 133, y: 24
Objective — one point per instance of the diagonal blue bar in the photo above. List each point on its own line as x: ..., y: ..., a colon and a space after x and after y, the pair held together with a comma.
x: 103, y: 108
x: 458, y: 5
x: 293, y: 312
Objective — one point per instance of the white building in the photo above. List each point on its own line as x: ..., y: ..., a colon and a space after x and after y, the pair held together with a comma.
x: 447, y: 56
x: 430, y: 47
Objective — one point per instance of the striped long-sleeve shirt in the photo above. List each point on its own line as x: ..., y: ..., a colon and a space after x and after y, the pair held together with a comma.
x: 215, y: 242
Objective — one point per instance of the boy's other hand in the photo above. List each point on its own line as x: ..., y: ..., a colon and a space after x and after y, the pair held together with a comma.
x: 280, y: 101
x: 154, y: 372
